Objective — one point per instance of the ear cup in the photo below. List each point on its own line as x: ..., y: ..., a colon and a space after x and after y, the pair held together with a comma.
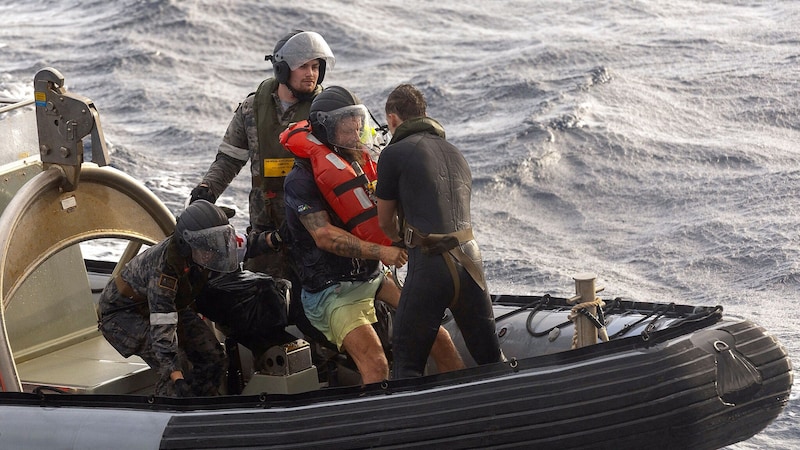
x: 282, y: 71
x: 322, y: 65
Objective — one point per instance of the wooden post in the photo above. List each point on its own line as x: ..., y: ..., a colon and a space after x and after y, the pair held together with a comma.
x: 585, y: 331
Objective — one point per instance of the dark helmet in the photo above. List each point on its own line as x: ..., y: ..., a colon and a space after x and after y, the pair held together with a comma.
x: 328, y: 108
x: 204, y: 233
x: 296, y: 49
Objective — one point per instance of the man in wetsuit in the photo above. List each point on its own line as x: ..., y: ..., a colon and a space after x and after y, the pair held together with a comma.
x: 424, y: 188
x: 341, y: 274
x: 147, y: 310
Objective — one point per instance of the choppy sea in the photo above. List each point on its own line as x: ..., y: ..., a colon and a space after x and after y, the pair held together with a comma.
x: 653, y: 143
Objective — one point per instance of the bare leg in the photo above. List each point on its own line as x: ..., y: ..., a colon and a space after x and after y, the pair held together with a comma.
x: 445, y: 354
x: 365, y: 348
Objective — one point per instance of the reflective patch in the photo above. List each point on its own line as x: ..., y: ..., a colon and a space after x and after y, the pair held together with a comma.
x: 363, y: 198
x: 163, y: 318
x: 336, y: 161
x: 302, y: 208
x: 168, y: 282
x: 234, y: 152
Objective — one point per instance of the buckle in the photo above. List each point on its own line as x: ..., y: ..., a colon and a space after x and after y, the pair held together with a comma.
x: 409, y: 236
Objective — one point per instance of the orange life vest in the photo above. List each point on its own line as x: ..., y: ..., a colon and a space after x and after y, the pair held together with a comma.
x: 350, y: 194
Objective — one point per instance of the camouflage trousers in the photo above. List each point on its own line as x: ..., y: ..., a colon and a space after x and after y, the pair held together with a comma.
x: 202, y: 356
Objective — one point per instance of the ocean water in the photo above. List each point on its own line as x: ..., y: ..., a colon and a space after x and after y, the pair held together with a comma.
x: 652, y: 143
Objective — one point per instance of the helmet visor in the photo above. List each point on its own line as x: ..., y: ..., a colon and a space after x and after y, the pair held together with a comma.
x: 349, y: 127
x: 214, y: 248
x: 302, y: 48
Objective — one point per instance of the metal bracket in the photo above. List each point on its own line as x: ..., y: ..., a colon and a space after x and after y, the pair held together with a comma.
x: 63, y: 120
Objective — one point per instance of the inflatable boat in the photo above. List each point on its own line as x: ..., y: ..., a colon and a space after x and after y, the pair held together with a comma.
x: 583, y: 372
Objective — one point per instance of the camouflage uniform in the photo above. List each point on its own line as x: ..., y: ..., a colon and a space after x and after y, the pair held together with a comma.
x: 253, y: 135
x: 156, y: 321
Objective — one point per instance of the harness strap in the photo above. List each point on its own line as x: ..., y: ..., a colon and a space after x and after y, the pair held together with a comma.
x: 443, y: 244
x: 451, y: 266
x: 470, y: 266
x: 431, y: 243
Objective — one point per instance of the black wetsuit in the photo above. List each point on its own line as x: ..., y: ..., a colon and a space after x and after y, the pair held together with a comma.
x: 431, y: 182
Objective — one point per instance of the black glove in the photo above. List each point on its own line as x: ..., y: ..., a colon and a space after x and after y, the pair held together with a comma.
x: 229, y: 212
x: 182, y: 388
x: 201, y: 191
x: 257, y: 244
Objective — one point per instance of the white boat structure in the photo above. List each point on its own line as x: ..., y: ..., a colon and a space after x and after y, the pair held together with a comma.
x: 670, y: 375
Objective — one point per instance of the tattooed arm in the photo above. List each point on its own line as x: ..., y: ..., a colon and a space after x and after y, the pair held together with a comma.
x: 335, y: 240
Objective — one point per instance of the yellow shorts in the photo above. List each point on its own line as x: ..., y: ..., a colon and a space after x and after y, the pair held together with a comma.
x: 341, y: 308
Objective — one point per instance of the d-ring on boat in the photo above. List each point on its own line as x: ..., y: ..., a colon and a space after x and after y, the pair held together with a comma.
x: 583, y: 372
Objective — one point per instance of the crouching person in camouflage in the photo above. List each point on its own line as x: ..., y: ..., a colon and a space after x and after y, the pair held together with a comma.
x: 148, y: 309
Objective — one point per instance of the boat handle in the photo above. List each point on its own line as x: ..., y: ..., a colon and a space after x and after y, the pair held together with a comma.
x: 721, y: 346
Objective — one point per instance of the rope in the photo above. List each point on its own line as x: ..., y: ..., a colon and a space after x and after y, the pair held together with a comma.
x: 658, y: 312
x: 581, y: 309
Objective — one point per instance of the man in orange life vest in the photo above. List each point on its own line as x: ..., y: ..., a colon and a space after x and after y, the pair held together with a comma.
x: 340, y: 272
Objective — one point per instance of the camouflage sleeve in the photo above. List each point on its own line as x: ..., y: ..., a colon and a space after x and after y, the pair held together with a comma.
x: 162, y: 289
x: 232, y: 155
x: 222, y: 171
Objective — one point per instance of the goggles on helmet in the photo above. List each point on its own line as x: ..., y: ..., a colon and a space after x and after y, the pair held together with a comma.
x: 214, y: 248
x: 302, y: 48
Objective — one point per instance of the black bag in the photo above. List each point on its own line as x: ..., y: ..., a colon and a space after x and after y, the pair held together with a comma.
x: 250, y: 307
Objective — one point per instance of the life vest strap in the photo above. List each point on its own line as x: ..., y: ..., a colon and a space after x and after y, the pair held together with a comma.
x: 359, y: 181
x: 361, y: 218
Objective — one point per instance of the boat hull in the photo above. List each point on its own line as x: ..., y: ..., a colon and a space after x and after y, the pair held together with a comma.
x: 630, y: 393
x: 671, y: 376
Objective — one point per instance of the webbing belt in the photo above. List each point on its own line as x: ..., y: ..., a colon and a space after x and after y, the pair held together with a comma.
x: 444, y: 244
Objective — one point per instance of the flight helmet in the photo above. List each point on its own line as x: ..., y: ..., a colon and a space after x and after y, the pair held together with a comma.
x: 296, y: 49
